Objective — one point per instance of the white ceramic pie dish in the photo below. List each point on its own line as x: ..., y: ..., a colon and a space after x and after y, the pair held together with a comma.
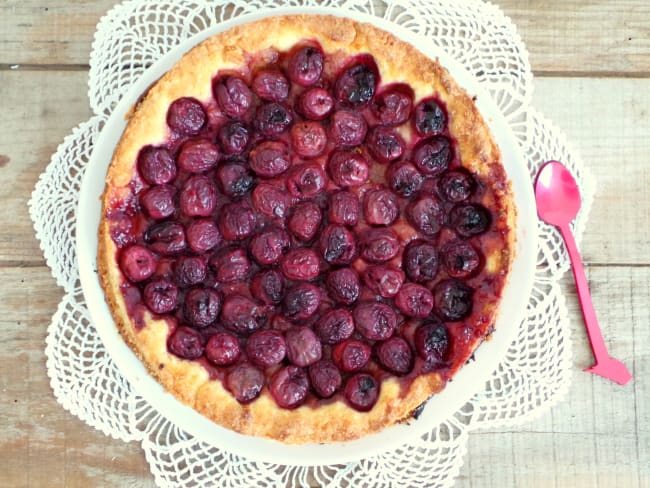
x: 468, y: 381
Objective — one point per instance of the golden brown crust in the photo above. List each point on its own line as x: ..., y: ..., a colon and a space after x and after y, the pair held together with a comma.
x: 188, y: 380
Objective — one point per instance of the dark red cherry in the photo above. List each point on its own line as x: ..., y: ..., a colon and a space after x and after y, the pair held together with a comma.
x: 233, y: 137
x: 301, y: 301
x: 289, y: 386
x: 242, y: 315
x: 234, y: 179
x: 308, y: 139
x: 404, y: 178
x: 190, y: 270
x: 306, y: 180
x: 186, y: 343
x: 305, y: 221
x: 338, y: 245
x: 315, y: 104
x: 414, y: 300
x: 361, y: 392
x: 375, y: 321
x: 198, y: 196
x: 305, y: 65
x: 343, y: 285
x: 186, y: 116
x: 420, y: 261
x: 166, y: 238
x: 348, y: 168
x: 395, y: 355
x: 429, y: 117
x: 469, y: 219
x: 380, y: 206
x: 203, y: 235
x: 335, y: 326
x: 300, y: 264
x: 198, y: 156
x: 379, y: 245
x: 270, y: 200
x: 230, y: 265
x: 267, y: 286
x: 432, y: 156
x: 222, y: 349
x: 245, y: 382
x: 325, y: 378
x: 343, y: 208
x: 383, y: 279
x: 347, y: 128
x: 456, y: 186
x: 158, y: 201
x: 156, y: 165
x: 432, y: 341
x: 393, y: 105
x: 272, y: 119
x: 385, y: 144
x: 266, y: 348
x: 269, y: 245
x: 236, y: 221
x: 351, y: 355
x: 303, y: 347
x: 269, y: 159
x: 233, y: 95
x: 453, y: 299
x: 426, y: 214
x: 161, y: 296
x: 356, y: 84
x: 202, y: 306
x: 460, y: 259
x: 271, y: 85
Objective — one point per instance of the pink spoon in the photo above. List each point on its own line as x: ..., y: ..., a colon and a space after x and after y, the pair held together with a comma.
x: 558, y: 202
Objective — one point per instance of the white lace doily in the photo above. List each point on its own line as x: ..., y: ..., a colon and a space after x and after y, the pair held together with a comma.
x: 535, y: 372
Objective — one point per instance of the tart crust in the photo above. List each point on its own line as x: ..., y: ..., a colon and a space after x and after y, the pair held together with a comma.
x: 189, y: 381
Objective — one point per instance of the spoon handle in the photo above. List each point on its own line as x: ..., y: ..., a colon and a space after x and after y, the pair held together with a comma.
x: 594, y: 333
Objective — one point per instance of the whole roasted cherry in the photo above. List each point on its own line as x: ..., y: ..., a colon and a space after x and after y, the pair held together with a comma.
x: 301, y: 301
x: 343, y: 285
x: 432, y: 156
x: 335, y: 326
x: 395, y: 355
x: 186, y: 343
x: 453, y: 299
x: 456, y: 186
x: 233, y: 137
x: 161, y: 296
x: 186, y: 116
x: 361, y: 392
x: 156, y: 165
x: 325, y: 378
x: 429, y: 117
x: 305, y: 221
x: 198, y: 156
x: 166, y: 238
x: 383, y: 279
x: 393, y: 105
x: 426, y: 214
x: 230, y: 265
x: 222, y: 349
x: 269, y: 158
x: 348, y: 168
x: 306, y: 180
x: 267, y: 286
x: 343, y: 208
x: 268, y: 246
x: 356, y: 84
x: 469, y: 219
x: 245, y: 382
x: 236, y: 221
x: 202, y: 306
x: 233, y: 95
x: 385, y: 144
x: 300, y: 264
x: 460, y: 259
x: 270, y: 200
x: 305, y: 65
x: 347, y: 128
x: 190, y: 270
x: 432, y: 341
x: 375, y: 321
x: 234, y: 179
x: 380, y: 206
x: 315, y: 104
x: 158, y: 201
x: 198, y: 196
x: 202, y: 235
x: 379, y: 245
x: 404, y: 178
x: 414, y: 300
x: 289, y: 386
x: 338, y: 245
x: 303, y: 346
x: 420, y: 261
x: 271, y: 85
x: 308, y: 139
x: 351, y: 355
x: 266, y: 348
x: 272, y: 119
x: 242, y: 315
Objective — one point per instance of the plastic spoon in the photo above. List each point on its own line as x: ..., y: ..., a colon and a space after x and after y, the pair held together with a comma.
x: 558, y: 202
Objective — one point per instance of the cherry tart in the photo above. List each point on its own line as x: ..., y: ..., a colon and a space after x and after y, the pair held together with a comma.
x: 306, y: 229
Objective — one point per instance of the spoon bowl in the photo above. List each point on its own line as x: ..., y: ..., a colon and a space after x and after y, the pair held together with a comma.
x: 557, y: 195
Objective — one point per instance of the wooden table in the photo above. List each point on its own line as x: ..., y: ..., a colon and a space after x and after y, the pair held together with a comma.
x: 592, y: 65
